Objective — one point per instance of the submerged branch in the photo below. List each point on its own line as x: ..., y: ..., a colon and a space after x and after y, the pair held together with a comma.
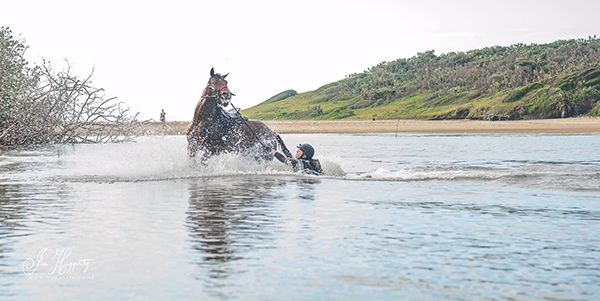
x: 6, y: 132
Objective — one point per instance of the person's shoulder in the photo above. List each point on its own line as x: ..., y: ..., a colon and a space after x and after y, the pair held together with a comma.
x: 312, y: 166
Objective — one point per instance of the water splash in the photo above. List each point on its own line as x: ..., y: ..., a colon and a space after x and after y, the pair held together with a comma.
x: 165, y: 159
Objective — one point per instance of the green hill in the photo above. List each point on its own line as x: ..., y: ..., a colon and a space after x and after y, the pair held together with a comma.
x: 555, y: 80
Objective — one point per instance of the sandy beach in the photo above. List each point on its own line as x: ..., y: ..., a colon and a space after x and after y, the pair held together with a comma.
x: 578, y: 125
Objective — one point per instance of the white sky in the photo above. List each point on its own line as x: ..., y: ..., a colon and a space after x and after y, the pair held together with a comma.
x: 157, y: 55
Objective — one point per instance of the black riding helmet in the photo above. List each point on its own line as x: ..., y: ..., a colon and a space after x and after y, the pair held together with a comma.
x: 307, y: 149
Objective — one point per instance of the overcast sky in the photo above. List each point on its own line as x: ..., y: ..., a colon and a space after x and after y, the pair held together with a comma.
x: 156, y: 55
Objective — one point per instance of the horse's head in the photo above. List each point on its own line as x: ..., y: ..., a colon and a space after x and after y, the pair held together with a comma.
x: 217, y: 86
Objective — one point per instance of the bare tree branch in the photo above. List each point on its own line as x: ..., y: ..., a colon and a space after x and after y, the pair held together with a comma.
x: 6, y: 132
x: 38, y: 105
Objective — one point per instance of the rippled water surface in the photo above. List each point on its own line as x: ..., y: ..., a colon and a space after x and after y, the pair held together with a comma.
x: 414, y: 217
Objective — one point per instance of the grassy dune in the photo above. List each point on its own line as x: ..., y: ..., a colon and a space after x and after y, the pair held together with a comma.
x: 556, y: 80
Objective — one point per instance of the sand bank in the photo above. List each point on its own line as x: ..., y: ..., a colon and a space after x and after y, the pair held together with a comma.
x: 579, y: 125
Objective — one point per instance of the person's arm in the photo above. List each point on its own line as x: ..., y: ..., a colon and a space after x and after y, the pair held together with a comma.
x: 283, y: 159
x: 284, y: 148
x: 278, y: 155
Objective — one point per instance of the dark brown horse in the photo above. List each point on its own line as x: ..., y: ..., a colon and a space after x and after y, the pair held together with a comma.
x: 209, y: 133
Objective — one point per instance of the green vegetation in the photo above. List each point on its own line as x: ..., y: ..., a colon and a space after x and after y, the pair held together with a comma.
x: 281, y: 96
x: 555, y: 80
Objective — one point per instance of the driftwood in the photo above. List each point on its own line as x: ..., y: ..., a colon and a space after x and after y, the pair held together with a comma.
x: 38, y: 105
x: 63, y: 108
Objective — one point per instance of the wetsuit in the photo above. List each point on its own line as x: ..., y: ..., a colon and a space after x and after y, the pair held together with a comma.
x: 309, y: 166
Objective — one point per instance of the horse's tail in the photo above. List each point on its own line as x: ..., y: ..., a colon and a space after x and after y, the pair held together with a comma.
x: 284, y: 148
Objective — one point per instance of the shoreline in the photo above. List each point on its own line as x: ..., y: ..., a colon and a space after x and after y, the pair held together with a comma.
x: 574, y: 125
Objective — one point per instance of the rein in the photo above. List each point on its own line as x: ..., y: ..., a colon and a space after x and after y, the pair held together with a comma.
x: 247, y: 125
x: 218, y: 96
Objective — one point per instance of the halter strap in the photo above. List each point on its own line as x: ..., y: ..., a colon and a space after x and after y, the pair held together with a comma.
x: 218, y: 94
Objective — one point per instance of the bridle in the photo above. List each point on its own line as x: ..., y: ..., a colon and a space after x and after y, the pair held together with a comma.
x: 219, y: 95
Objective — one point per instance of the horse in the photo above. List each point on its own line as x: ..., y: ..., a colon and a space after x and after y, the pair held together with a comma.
x: 208, y: 133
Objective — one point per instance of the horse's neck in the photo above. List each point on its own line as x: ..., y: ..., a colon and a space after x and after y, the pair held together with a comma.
x: 206, y: 108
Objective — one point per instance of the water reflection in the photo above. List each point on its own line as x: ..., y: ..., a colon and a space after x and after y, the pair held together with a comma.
x: 27, y: 210
x: 23, y: 198
x: 307, y: 188
x: 11, y: 211
x: 231, y: 216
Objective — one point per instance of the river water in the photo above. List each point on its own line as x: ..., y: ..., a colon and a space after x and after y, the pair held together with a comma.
x: 412, y: 217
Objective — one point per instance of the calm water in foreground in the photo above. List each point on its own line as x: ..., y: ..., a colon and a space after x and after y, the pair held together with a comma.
x: 414, y: 217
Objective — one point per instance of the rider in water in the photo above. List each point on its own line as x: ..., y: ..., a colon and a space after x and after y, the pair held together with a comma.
x: 304, y: 160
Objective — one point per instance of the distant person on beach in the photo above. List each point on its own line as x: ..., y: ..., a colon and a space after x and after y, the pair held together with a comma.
x: 163, y: 116
x: 303, y: 162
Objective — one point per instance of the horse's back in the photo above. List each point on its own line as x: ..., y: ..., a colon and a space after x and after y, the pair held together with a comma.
x: 260, y: 126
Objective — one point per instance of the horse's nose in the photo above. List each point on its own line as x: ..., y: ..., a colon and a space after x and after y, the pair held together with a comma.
x: 227, y: 94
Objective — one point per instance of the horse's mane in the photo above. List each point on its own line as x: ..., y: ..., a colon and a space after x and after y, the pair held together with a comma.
x: 218, y: 76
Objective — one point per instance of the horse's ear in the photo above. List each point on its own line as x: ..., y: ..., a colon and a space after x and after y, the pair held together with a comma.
x: 212, y: 72
x: 224, y: 76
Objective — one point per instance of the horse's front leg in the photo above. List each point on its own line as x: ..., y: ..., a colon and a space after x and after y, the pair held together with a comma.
x: 207, y: 155
x: 192, y: 149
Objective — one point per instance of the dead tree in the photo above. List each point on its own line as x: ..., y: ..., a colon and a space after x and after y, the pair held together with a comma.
x: 38, y: 105
x: 79, y: 112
